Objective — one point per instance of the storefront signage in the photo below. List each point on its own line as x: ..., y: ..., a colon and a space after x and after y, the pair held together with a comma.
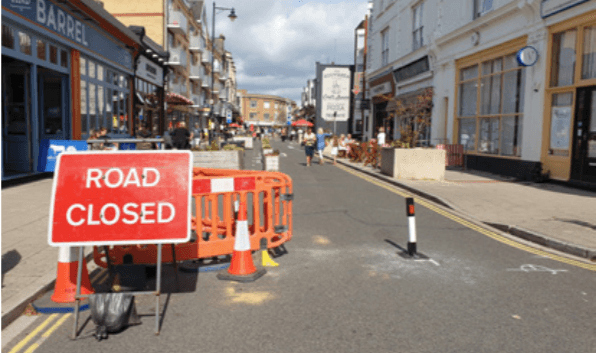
x: 527, y: 56
x: 336, y: 93
x: 55, y: 19
x: 383, y: 88
x: 149, y: 71
x: 559, y: 132
x: 551, y: 7
x: 49, y: 150
x: 109, y: 198
x: 412, y: 69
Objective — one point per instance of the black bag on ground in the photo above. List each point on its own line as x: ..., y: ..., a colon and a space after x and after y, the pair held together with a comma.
x: 112, y: 312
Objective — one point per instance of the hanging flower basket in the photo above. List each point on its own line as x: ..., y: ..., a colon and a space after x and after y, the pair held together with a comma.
x: 175, y: 98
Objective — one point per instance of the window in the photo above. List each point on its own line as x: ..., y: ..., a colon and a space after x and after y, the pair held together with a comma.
x: 41, y: 50
x: 25, y: 43
x: 385, y: 47
x: 266, y: 116
x: 253, y: 116
x: 491, y: 101
x: 563, y: 58
x: 481, y: 7
x: 105, y: 98
x: 253, y: 103
x: 417, y: 40
x: 560, y: 124
x: 266, y: 105
x: 7, y: 37
x: 276, y: 105
x: 589, y: 54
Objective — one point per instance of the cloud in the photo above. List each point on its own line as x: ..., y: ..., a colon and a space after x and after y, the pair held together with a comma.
x: 276, y: 44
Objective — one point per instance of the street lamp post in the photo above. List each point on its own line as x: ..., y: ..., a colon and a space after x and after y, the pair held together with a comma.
x: 232, y: 17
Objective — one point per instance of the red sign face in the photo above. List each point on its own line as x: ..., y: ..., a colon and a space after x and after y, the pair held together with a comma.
x: 110, y: 198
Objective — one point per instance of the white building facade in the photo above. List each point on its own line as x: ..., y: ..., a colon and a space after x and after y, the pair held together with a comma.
x: 514, y: 81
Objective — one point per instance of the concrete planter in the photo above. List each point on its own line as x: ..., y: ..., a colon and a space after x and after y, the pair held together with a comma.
x: 271, y: 163
x: 219, y: 159
x: 414, y: 163
x: 247, y: 141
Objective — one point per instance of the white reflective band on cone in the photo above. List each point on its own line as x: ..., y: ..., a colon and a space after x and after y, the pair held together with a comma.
x: 68, y: 254
x: 236, y: 205
x: 412, y: 228
x: 242, y: 242
x: 222, y: 185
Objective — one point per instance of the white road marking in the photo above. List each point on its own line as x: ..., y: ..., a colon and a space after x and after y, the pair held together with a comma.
x: 535, y: 268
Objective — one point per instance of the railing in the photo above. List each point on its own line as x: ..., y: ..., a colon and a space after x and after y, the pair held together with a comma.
x: 196, y: 43
x: 195, y: 72
x: 129, y: 140
x: 178, y: 57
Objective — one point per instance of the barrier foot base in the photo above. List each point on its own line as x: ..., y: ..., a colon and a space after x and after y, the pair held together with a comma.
x: 226, y: 276
x: 267, y: 260
x: 414, y: 256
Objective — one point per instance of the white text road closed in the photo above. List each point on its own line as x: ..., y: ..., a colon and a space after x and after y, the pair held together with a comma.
x: 128, y: 197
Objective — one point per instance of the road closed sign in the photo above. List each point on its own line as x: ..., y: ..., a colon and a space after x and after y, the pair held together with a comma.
x: 115, y: 198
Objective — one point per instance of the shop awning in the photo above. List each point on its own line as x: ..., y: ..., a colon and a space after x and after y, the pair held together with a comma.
x: 174, y: 98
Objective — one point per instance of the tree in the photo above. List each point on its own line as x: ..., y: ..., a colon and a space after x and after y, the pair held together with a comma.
x: 414, y: 117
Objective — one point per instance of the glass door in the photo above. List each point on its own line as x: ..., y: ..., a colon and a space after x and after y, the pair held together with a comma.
x: 584, y: 137
x: 16, y: 118
x: 53, y: 106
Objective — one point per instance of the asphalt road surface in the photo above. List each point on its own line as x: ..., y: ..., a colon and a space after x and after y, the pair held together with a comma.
x: 342, y: 286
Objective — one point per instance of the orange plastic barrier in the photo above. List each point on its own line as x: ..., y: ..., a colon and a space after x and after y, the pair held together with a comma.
x: 268, y: 196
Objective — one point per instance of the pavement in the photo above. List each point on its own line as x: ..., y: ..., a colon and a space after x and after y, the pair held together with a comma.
x: 551, y: 215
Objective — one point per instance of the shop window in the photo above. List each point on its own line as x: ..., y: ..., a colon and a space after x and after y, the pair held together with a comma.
x: 467, y: 133
x: 25, y: 43
x: 83, y: 66
x: 84, y: 124
x: 563, y: 60
x: 560, y: 123
x: 468, y: 93
x: 99, y: 72
x: 63, y: 58
x: 91, y: 69
x: 497, y: 118
x: 7, y: 37
x: 488, y: 141
x: 93, y: 121
x: 589, y: 54
x: 41, y: 50
x: 53, y: 54
x: 511, y: 127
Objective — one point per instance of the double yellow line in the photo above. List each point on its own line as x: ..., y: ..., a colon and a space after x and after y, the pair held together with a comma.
x: 43, y: 337
x: 470, y: 225
x: 100, y: 277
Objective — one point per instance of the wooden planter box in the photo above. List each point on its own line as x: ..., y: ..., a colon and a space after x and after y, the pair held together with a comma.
x: 271, y: 163
x: 219, y: 159
x: 247, y: 141
x: 413, y: 163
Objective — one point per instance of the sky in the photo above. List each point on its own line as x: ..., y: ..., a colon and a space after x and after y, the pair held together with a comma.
x: 276, y: 43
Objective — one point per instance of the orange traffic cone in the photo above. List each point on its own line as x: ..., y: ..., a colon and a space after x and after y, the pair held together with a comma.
x: 66, y: 279
x: 242, y: 268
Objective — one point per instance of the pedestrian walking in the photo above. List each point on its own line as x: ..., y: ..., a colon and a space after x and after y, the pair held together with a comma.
x: 181, y: 137
x: 292, y: 135
x: 321, y: 144
x: 310, y: 140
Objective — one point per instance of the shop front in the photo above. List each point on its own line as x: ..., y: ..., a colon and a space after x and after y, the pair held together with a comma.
x: 382, y: 90
x: 65, y: 70
x: 491, y: 111
x: 569, y: 134
x: 149, y: 84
